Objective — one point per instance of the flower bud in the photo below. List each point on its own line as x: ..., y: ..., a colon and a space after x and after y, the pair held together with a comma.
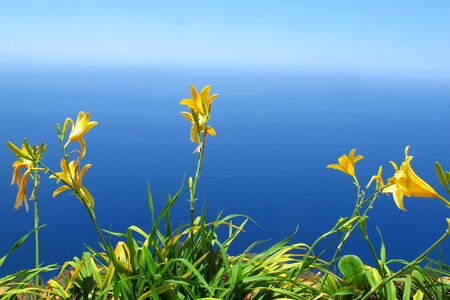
x: 362, y: 226
x: 190, y: 183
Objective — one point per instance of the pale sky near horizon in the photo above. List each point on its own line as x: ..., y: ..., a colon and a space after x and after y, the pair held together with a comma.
x: 382, y: 36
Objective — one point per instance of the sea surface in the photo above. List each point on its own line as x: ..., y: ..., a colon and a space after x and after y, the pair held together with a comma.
x: 276, y: 133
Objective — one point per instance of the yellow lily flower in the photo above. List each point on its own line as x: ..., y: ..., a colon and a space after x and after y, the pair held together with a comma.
x: 200, y: 107
x: 21, y: 181
x: 73, y: 178
x: 405, y: 182
x: 200, y: 103
x: 79, y: 129
x: 347, y: 163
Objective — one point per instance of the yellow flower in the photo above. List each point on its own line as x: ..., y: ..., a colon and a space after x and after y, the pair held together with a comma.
x: 347, y: 163
x: 200, y: 107
x: 200, y: 103
x: 405, y: 182
x: 79, y: 129
x: 21, y: 181
x: 73, y: 178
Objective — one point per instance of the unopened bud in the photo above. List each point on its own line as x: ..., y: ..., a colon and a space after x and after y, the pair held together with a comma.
x: 66, y: 124
x: 27, y: 146
x: 18, y: 152
x: 441, y: 175
x: 362, y: 225
x: 190, y: 183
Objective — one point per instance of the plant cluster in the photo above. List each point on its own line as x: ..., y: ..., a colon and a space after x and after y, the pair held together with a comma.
x: 193, y: 261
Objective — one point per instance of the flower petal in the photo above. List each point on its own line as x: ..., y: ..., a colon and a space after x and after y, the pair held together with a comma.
x: 211, y: 130
x: 82, y: 172
x: 60, y: 190
x: 394, y: 165
x: 210, y: 100
x: 336, y: 167
x: 87, y: 197
x: 188, y: 116
x: 204, y: 94
x: 194, y: 134
x: 189, y: 102
x: 398, y: 198
x: 21, y: 197
x: 83, y: 147
x: 358, y: 158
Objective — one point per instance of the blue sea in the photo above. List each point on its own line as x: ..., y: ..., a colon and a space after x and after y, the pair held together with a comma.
x: 276, y: 133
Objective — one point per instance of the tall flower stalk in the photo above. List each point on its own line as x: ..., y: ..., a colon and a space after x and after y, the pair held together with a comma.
x: 200, y: 106
x: 28, y: 158
x: 36, y: 221
x: 72, y: 172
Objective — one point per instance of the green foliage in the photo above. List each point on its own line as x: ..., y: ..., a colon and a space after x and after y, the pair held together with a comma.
x: 20, y: 282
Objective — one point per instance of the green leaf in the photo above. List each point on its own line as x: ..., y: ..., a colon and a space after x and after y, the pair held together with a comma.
x: 150, y: 203
x: 418, y: 276
x: 195, y: 272
x: 352, y: 268
x: 382, y: 249
x: 407, y: 288
x: 18, y: 244
x: 391, y: 293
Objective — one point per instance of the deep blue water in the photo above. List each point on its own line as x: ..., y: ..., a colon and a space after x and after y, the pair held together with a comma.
x: 276, y: 132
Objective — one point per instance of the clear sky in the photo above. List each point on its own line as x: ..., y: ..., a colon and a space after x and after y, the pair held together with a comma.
x: 404, y: 36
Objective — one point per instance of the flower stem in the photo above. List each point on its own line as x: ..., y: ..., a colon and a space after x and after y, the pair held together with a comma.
x: 36, y: 223
x: 97, y: 228
x: 310, y: 250
x: 356, y: 212
x: 193, y: 192
x: 446, y: 202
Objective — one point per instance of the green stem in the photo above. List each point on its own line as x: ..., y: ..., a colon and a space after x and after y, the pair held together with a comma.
x: 109, y: 250
x: 90, y: 211
x: 97, y: 228
x: 347, y: 232
x: 373, y: 252
x: 408, y: 266
x: 36, y: 223
x: 193, y: 192
x: 359, y: 204
x: 310, y: 250
x: 444, y: 200
x: 381, y: 269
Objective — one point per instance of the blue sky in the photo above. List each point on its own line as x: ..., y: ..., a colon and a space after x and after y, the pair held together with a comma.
x: 379, y: 36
